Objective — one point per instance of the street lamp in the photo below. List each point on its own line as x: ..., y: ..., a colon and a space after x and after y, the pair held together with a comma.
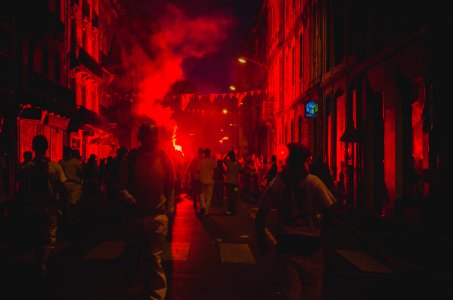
x: 244, y: 60
x: 258, y: 79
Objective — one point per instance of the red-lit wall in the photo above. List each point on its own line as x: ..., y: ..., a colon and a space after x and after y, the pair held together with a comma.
x: 389, y: 153
x: 341, y: 127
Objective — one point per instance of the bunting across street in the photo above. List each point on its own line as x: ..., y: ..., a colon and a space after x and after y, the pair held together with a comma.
x: 236, y: 96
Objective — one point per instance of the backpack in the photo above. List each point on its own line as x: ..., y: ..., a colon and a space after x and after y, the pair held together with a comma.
x: 295, y: 208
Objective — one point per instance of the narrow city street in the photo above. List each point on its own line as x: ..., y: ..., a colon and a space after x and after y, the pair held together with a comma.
x: 111, y: 108
x: 211, y: 258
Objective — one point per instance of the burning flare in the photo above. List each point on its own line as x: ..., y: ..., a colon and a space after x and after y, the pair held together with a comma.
x: 173, y: 139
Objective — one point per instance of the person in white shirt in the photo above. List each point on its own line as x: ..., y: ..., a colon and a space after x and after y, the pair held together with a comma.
x: 72, y: 167
x: 207, y: 165
x: 233, y: 168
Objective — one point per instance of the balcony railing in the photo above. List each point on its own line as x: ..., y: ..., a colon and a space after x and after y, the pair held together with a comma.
x: 50, y: 95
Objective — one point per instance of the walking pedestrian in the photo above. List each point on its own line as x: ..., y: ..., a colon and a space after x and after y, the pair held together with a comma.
x: 301, y: 200
x: 207, y: 166
x: 272, y: 172
x: 193, y: 172
x: 219, y: 183
x: 320, y: 169
x: 146, y: 183
x: 42, y: 181
x: 233, y: 168
x: 72, y: 167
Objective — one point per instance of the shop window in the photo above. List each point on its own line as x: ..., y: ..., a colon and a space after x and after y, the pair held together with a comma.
x: 420, y: 143
x: 340, y: 128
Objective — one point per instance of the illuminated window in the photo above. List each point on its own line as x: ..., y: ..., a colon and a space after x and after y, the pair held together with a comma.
x: 420, y: 142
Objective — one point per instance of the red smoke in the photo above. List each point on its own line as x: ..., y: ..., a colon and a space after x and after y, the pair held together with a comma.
x: 155, y: 63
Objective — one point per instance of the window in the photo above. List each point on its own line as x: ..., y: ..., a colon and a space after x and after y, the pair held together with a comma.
x: 45, y: 60
x: 301, y: 56
x: 293, y: 66
x: 328, y: 31
x: 283, y: 131
x: 420, y: 143
x: 338, y: 34
x: 85, y: 10
x: 57, y: 67
x: 299, y: 129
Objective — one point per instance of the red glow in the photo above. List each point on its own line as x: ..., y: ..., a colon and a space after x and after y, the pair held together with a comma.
x: 154, y: 63
x: 341, y: 127
x: 179, y: 37
x: 389, y: 153
x: 281, y: 152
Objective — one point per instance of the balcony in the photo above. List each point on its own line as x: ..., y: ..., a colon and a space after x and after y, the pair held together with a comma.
x: 50, y: 95
x: 90, y: 63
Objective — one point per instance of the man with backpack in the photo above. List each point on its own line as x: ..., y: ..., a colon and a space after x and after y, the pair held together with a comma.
x: 301, y: 200
x: 42, y: 181
x: 146, y: 184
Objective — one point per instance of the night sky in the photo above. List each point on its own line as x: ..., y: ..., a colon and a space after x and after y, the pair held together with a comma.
x: 217, y: 70
x: 207, y: 65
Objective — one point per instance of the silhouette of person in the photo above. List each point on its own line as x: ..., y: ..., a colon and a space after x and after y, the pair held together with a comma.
x: 320, y: 169
x: 193, y: 172
x: 42, y: 179
x: 233, y: 168
x: 300, y: 198
x: 146, y: 183
x: 219, y: 183
x: 272, y: 172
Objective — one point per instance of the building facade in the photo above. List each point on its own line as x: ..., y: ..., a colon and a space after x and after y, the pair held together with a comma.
x: 359, y: 83
x: 56, y: 79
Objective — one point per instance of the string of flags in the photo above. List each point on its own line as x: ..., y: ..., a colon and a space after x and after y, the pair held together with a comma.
x: 236, y: 96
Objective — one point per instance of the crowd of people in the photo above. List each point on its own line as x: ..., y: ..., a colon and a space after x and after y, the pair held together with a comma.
x: 72, y: 189
x: 217, y: 180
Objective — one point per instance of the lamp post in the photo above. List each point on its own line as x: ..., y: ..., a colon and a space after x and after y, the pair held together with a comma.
x: 244, y: 60
x: 259, y: 79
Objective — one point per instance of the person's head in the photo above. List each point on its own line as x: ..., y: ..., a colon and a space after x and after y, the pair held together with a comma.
x: 298, y: 156
x: 232, y: 155
x: 28, y: 156
x: 40, y: 145
x: 219, y: 163
x: 274, y: 158
x: 76, y: 153
x: 200, y: 151
x: 207, y: 152
x: 121, y: 151
x: 67, y: 152
x: 148, y: 135
x: 318, y: 158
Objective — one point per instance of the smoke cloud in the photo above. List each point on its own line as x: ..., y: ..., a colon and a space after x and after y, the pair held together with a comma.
x: 163, y: 37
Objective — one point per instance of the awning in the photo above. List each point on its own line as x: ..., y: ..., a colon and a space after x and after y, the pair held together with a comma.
x: 48, y: 95
x: 86, y: 116
x: 107, y: 139
x: 56, y: 121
